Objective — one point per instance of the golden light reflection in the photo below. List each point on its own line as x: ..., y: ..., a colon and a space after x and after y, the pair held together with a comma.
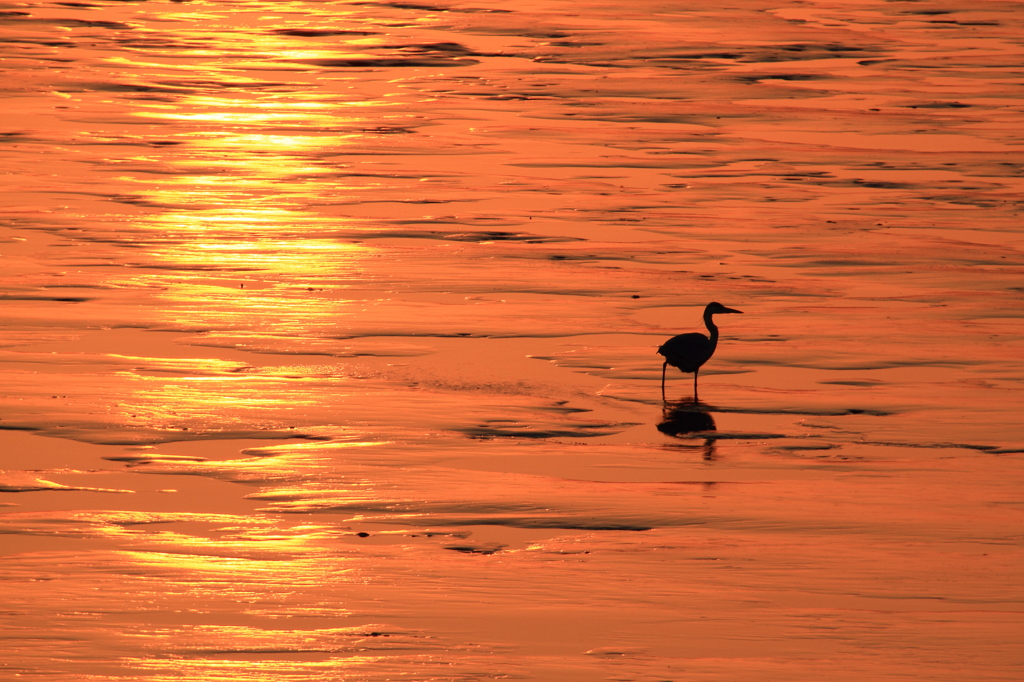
x: 231, y: 552
x: 238, y: 166
x: 238, y: 117
x: 254, y: 669
x: 213, y: 402
x: 271, y: 141
x: 197, y: 101
x: 232, y: 239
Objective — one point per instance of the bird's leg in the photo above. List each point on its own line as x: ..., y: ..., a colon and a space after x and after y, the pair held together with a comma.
x: 663, y: 368
x: 695, y: 372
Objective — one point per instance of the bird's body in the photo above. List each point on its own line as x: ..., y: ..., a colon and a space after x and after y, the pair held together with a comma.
x: 689, y: 352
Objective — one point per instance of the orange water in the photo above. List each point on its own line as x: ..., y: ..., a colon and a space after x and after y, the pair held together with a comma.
x: 371, y: 292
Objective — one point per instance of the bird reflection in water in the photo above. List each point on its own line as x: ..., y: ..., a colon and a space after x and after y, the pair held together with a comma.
x: 688, y: 417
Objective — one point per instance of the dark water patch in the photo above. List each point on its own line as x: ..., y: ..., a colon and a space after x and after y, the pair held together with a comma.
x: 116, y: 25
x: 730, y: 435
x: 321, y: 32
x: 485, y: 549
x: 516, y: 430
x: 100, y: 86
x: 382, y: 62
x: 810, y: 51
x: 15, y: 136
x: 138, y: 42
x: 939, y: 105
x: 227, y: 82
x: 653, y: 163
x: 964, y: 23
x: 16, y: 427
x: 57, y: 299
x: 406, y: 5
x: 552, y: 523
x: 439, y: 518
x: 103, y: 434
x: 853, y: 364
x: 415, y: 6
x: 443, y: 48
x: 780, y: 76
x: 43, y: 42
x: 468, y: 236
x: 802, y: 447
x: 67, y: 22
x: 491, y: 236
x: 867, y: 383
x: 869, y: 184
x: 696, y: 56
x: 988, y: 449
x: 805, y: 410
x: 176, y: 86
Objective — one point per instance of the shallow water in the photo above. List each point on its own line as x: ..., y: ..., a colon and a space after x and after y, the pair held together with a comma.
x: 328, y: 336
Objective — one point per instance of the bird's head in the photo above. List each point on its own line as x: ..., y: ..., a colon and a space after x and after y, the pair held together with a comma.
x: 715, y: 308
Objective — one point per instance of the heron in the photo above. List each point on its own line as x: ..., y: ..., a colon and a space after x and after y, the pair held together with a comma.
x: 690, y: 351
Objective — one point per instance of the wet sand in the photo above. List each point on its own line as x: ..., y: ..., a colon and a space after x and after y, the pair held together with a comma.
x: 328, y: 341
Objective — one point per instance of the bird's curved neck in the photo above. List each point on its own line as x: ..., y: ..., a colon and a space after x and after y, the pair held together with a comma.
x: 710, y: 324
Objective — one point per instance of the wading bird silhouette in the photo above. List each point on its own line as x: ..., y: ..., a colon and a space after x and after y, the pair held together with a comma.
x: 689, y: 352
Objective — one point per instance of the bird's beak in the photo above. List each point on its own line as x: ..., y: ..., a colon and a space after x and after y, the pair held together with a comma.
x: 730, y: 310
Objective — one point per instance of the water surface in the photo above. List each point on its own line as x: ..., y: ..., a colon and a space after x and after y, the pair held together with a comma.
x: 328, y: 336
